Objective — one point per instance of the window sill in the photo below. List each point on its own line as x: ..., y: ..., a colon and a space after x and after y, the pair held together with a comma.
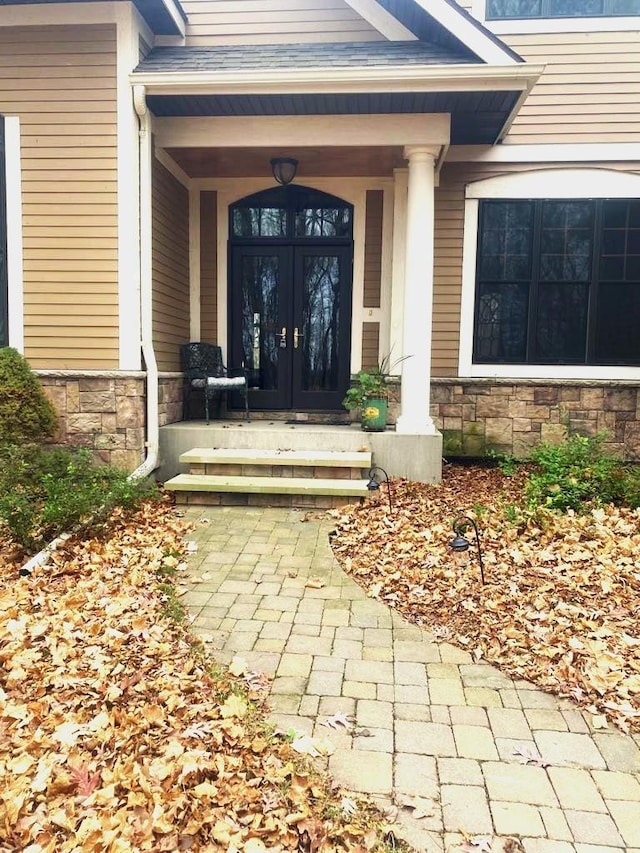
x: 546, y: 371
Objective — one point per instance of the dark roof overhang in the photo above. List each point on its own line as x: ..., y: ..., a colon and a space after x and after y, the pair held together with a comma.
x: 338, y: 79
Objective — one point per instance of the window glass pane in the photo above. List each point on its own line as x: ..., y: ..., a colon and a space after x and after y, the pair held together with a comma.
x: 620, y: 241
x: 561, y: 330
x: 569, y: 8
x: 323, y: 222
x: 566, y: 241
x: 623, y: 7
x: 505, y: 243
x: 501, y: 323
x: 514, y: 8
x: 259, y: 222
x: 618, y: 309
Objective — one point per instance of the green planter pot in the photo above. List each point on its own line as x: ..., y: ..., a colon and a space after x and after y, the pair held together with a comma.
x: 374, y: 414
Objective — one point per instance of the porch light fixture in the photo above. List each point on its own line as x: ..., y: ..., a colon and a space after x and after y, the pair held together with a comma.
x: 460, y: 542
x: 284, y: 169
x: 374, y: 483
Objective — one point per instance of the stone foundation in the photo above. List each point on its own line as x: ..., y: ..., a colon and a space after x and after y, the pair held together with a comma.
x: 106, y: 411
x: 514, y: 416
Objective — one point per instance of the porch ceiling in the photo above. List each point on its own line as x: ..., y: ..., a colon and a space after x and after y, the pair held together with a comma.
x: 312, y: 162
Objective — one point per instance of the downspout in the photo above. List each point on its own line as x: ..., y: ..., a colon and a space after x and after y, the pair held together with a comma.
x: 146, y: 290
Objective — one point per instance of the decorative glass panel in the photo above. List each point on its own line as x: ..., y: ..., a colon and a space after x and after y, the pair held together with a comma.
x: 561, y: 331
x: 506, y: 241
x: 323, y: 222
x: 566, y: 241
x: 260, y: 281
x: 501, y: 323
x: 320, y: 322
x: 620, y: 244
x: 259, y: 222
x: 560, y: 8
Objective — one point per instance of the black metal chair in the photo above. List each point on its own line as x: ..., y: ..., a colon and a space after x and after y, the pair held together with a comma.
x: 204, y: 370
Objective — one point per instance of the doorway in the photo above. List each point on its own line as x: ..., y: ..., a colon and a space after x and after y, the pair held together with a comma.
x: 291, y: 271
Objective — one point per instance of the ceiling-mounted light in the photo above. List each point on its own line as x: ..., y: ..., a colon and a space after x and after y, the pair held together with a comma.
x: 284, y: 169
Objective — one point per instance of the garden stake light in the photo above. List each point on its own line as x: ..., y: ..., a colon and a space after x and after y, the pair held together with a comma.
x: 374, y: 485
x: 461, y: 543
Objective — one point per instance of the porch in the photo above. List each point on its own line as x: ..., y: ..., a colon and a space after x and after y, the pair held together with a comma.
x: 291, y: 460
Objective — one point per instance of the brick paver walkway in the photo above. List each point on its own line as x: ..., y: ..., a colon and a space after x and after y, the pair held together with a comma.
x: 431, y: 723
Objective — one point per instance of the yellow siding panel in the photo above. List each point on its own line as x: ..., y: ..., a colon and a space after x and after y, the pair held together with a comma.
x: 373, y: 249
x: 272, y: 21
x: 370, y: 345
x: 589, y: 91
x: 208, y: 267
x: 61, y: 82
x: 170, y: 267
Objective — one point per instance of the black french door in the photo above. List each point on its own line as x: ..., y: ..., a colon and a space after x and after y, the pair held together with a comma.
x: 291, y: 260
x: 291, y: 323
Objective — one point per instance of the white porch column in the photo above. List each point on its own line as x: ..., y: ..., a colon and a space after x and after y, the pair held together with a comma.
x: 418, y: 293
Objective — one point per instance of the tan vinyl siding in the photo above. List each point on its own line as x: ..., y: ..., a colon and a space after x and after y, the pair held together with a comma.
x: 589, y: 91
x: 370, y: 345
x: 208, y: 267
x: 170, y: 267
x: 373, y: 249
x: 449, y: 228
x: 61, y: 82
x: 272, y: 21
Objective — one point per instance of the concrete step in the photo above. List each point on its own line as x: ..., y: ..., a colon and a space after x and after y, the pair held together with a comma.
x: 307, y: 458
x: 321, y: 493
x: 268, y: 485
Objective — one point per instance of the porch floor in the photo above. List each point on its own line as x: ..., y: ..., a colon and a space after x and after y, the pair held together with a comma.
x: 417, y: 457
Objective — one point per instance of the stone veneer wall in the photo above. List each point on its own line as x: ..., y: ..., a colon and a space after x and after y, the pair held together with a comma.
x: 105, y: 411
x: 512, y: 416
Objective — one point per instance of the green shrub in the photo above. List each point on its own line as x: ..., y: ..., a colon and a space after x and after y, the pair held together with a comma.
x: 26, y: 414
x: 44, y: 492
x: 578, y: 472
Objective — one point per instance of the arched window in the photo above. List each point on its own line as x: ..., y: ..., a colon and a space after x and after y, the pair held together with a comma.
x: 290, y: 214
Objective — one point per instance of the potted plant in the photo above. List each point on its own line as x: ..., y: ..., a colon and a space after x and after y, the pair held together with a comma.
x: 370, y: 394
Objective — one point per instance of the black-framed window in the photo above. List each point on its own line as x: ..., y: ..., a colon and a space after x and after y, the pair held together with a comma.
x: 558, y: 282
x: 4, y: 296
x: 291, y: 212
x: 519, y: 9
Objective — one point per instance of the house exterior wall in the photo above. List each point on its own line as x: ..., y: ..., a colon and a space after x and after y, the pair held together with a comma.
x: 170, y: 233
x: 271, y: 21
x: 589, y: 91
x: 61, y: 83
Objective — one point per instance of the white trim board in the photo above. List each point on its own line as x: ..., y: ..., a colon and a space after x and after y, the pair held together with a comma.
x: 543, y: 183
x: 15, y: 279
x: 583, y: 152
x: 597, y: 24
x: 291, y: 131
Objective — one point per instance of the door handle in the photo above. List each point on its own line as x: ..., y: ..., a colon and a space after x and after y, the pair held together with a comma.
x: 296, y: 337
x: 283, y: 338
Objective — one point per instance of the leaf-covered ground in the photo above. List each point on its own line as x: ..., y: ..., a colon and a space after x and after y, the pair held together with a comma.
x: 561, y: 606
x: 117, y: 735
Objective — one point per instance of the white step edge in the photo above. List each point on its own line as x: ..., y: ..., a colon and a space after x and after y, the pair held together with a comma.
x: 311, y: 458
x: 266, y: 485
